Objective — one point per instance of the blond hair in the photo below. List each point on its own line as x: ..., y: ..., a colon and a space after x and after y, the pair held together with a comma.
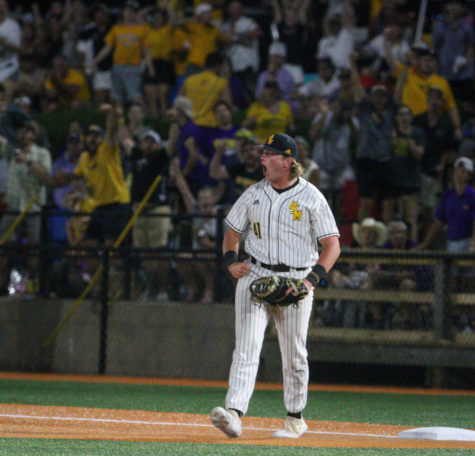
x: 296, y: 170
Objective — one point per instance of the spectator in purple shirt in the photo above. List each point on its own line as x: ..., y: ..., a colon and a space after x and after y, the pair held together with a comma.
x: 223, y: 130
x: 276, y: 71
x: 185, y: 139
x: 66, y: 163
x: 456, y: 210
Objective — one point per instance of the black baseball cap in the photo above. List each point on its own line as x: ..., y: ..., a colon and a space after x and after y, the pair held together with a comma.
x: 281, y: 143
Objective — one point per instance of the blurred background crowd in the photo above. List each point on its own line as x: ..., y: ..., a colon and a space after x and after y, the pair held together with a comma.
x: 97, y: 99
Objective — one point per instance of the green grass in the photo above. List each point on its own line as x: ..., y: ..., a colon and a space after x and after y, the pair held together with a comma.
x: 36, y: 447
x: 410, y: 410
x: 400, y: 409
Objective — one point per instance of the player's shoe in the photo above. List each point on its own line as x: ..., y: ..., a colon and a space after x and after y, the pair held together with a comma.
x: 293, y: 429
x: 227, y: 421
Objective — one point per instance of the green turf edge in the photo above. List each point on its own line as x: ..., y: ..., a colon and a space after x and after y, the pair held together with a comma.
x: 60, y: 447
x: 398, y: 409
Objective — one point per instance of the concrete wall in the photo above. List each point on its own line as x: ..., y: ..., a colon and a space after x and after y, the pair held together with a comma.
x: 171, y: 340
x: 146, y: 339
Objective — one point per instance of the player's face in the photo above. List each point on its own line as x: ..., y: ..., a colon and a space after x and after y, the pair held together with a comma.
x: 273, y: 166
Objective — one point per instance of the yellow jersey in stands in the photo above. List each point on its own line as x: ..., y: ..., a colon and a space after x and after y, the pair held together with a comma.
x: 160, y: 42
x: 266, y: 123
x: 73, y: 78
x: 204, y: 90
x: 203, y: 40
x: 128, y: 42
x: 414, y: 92
x: 103, y: 174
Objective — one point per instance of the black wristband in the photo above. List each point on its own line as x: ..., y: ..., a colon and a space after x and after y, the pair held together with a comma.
x: 229, y: 258
x: 318, y: 276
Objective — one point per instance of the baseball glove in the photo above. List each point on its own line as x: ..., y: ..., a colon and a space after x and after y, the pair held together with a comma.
x: 272, y: 290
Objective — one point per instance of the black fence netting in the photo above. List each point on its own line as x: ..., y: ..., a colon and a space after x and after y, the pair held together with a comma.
x: 388, y: 316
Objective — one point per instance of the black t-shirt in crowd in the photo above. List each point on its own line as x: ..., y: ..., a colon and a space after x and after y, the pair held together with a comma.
x: 439, y: 139
x: 241, y: 178
x: 144, y: 171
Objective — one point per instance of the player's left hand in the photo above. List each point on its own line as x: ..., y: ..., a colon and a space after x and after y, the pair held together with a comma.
x: 305, y: 282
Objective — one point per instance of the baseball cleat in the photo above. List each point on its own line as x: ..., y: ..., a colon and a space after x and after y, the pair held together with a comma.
x: 293, y: 429
x: 227, y: 421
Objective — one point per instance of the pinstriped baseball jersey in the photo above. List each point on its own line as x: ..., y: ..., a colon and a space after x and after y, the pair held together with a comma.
x: 283, y: 227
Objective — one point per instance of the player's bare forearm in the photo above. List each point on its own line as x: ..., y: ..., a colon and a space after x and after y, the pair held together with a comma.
x: 330, y: 252
x: 231, y: 240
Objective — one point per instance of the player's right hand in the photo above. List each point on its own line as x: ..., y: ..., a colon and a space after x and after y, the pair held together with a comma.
x: 238, y: 269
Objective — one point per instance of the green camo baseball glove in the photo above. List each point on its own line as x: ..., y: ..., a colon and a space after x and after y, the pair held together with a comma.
x: 272, y: 289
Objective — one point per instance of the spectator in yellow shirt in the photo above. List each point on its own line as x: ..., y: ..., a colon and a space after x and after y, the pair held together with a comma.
x: 159, y: 52
x: 414, y: 82
x: 100, y: 166
x: 204, y: 38
x: 205, y: 89
x: 127, y: 41
x: 269, y: 114
x: 66, y: 87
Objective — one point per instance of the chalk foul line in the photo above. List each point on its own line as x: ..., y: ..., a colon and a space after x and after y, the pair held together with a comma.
x: 164, y: 423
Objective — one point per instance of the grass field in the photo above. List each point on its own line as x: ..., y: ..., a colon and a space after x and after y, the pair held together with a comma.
x: 415, y: 410
x: 35, y: 447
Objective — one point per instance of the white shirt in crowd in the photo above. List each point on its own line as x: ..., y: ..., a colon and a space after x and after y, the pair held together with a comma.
x: 337, y: 47
x: 9, y: 30
x: 243, y: 56
x: 399, y: 50
x: 320, y: 87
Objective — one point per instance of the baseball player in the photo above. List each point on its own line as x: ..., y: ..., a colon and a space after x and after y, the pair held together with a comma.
x: 286, y: 216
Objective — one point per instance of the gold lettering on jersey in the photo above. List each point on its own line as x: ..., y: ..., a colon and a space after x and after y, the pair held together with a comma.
x: 294, y: 210
x: 256, y: 226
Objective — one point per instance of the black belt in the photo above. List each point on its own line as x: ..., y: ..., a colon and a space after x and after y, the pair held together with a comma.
x: 276, y: 267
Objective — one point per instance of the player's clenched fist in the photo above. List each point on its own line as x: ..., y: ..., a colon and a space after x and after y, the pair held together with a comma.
x: 239, y: 269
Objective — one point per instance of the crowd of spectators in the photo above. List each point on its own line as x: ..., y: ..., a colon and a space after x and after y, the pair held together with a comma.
x: 384, y: 119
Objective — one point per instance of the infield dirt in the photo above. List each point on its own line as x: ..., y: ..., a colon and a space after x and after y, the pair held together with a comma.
x: 33, y: 421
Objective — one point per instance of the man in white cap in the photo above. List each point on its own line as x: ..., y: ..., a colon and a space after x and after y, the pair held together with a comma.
x: 277, y: 72
x: 149, y: 159
x: 339, y: 42
x: 456, y: 211
x: 203, y: 36
x: 244, y: 48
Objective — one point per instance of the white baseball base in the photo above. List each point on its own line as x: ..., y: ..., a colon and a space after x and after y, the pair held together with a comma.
x: 439, y: 433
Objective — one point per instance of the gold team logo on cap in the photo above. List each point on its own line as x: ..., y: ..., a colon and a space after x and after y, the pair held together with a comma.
x: 294, y: 205
x: 270, y: 140
x: 287, y: 151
